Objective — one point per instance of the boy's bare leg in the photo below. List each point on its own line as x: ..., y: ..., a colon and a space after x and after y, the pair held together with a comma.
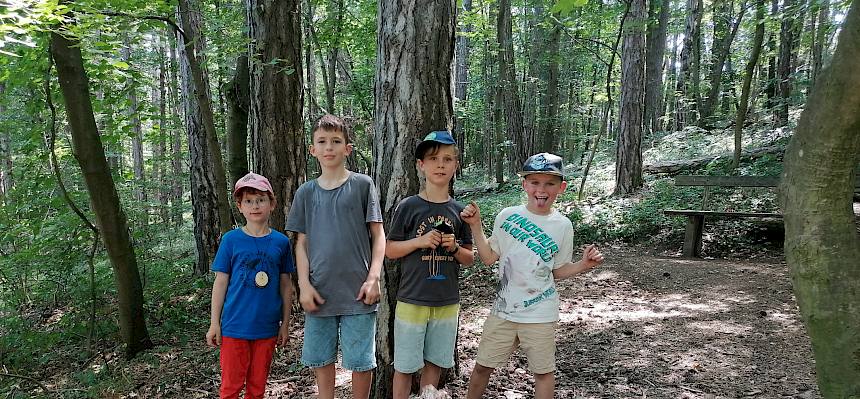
x: 478, y: 381
x: 361, y: 381
x: 544, y: 386
x: 325, y: 381
x: 402, y: 385
x: 430, y: 375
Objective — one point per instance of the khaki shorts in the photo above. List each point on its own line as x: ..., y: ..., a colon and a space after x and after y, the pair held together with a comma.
x: 501, y: 337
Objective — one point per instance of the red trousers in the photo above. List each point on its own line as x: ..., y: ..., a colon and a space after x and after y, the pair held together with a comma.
x: 245, y: 363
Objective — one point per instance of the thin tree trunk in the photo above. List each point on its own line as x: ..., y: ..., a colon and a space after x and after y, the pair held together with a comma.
x: 628, y: 154
x: 136, y: 130
x: 522, y: 147
x: 687, y: 86
x: 549, y: 122
x: 822, y: 243
x: 160, y: 97
x: 461, y: 80
x: 758, y: 38
x: 177, y: 183
x: 110, y: 217
x: 658, y: 23
x: 725, y: 32
x: 413, y: 97
x: 784, y: 69
x: 5, y: 153
x: 820, y: 38
x: 276, y: 98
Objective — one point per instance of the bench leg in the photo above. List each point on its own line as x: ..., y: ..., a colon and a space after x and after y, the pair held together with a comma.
x: 693, y: 236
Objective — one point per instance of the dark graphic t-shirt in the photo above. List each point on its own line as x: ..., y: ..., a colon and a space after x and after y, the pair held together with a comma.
x: 429, y: 277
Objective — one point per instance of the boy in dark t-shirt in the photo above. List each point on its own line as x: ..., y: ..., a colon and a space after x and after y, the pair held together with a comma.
x: 427, y: 233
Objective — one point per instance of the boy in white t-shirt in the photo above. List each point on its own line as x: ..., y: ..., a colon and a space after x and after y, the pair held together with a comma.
x: 533, y: 244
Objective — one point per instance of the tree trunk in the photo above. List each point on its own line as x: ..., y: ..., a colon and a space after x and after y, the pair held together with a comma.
x: 204, y: 203
x: 725, y: 30
x: 413, y: 97
x: 628, y: 154
x: 784, y: 69
x: 159, y: 96
x: 658, y: 23
x: 549, y: 122
x: 276, y: 98
x: 822, y: 244
x: 461, y: 81
x: 238, y: 102
x: 136, y: 129
x: 191, y: 24
x: 687, y: 86
x: 177, y: 169
x: 5, y: 153
x: 522, y: 143
x: 758, y: 38
x: 110, y: 218
x: 821, y: 35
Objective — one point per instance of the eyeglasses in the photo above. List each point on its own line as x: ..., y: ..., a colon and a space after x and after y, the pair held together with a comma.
x: 259, y: 201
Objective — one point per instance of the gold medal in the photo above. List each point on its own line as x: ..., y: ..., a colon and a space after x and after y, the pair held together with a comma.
x: 261, y: 279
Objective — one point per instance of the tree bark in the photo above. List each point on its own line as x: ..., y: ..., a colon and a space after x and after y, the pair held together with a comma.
x: 110, y: 217
x: 276, y: 98
x: 238, y: 102
x: 784, y: 67
x: 822, y: 244
x: 191, y: 25
x: 628, y: 154
x: 687, y: 87
x: 461, y: 81
x: 5, y: 153
x: 136, y: 129
x: 413, y: 97
x: 821, y: 35
x: 522, y: 141
x: 658, y: 23
x: 548, y: 122
x: 743, y: 105
x: 177, y: 183
x: 204, y: 202
x: 159, y: 96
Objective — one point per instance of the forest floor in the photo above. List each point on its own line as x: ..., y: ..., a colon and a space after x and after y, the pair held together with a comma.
x: 643, y: 325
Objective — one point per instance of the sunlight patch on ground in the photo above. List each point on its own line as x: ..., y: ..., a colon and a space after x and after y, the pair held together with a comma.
x: 610, y: 310
x: 718, y: 326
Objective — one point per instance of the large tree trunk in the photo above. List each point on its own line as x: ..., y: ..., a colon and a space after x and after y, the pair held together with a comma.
x: 743, y: 106
x: 413, y: 97
x: 276, y: 98
x: 822, y: 244
x: 522, y: 147
x: 549, y: 122
x: 238, y: 102
x: 461, y: 81
x: 658, y: 23
x: 784, y: 67
x: 110, y: 217
x: 190, y: 16
x: 628, y: 154
x: 204, y: 202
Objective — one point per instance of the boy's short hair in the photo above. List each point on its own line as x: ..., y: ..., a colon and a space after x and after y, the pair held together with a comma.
x: 543, y: 163
x: 254, y: 184
x: 332, y: 123
x: 431, y: 143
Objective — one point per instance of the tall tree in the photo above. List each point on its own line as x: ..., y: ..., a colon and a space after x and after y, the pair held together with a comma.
x: 784, y: 67
x: 110, y: 218
x: 208, y: 220
x: 413, y: 97
x: 725, y: 30
x: 238, y: 102
x: 658, y: 23
x: 822, y: 243
x: 821, y: 35
x: 522, y: 140
x: 548, y: 122
x: 743, y: 105
x: 687, y: 86
x: 461, y: 79
x: 5, y: 150
x: 133, y: 113
x: 628, y: 152
x: 276, y: 98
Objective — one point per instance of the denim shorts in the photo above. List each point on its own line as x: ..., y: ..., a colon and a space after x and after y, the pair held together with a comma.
x: 355, y: 333
x: 424, y: 333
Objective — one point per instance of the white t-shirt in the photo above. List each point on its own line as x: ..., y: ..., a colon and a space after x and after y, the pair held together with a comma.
x: 530, y: 246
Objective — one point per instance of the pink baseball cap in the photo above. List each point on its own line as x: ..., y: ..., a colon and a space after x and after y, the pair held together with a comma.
x: 253, y: 180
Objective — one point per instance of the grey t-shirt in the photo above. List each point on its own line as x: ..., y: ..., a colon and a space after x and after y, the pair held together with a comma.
x: 428, y: 277
x: 338, y: 238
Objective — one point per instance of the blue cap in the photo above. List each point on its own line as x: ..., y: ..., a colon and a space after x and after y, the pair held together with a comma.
x: 439, y: 136
x: 544, y: 163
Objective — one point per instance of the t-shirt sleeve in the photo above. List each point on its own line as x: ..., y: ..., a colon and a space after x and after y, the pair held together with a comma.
x: 286, y: 264
x: 223, y: 258
x: 398, y: 228
x: 296, y: 219
x: 373, y: 213
x: 565, y: 250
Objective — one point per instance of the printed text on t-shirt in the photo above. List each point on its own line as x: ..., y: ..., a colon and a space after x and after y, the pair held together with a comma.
x: 524, y: 230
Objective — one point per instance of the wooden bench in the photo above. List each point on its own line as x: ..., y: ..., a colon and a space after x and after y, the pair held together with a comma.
x: 696, y: 218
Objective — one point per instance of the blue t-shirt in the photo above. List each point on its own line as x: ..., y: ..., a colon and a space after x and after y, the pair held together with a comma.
x: 251, y: 311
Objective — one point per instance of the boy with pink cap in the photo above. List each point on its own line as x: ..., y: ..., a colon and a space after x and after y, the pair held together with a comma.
x: 252, y: 292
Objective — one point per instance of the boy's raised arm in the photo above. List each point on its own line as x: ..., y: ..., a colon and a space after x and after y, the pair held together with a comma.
x: 471, y: 214
x: 369, y: 292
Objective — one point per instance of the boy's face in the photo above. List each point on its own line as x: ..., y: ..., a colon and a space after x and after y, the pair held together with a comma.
x: 541, y: 192
x: 256, y: 207
x: 439, y: 167
x: 330, y: 147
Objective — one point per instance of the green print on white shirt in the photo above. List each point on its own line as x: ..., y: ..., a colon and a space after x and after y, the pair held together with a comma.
x: 524, y: 230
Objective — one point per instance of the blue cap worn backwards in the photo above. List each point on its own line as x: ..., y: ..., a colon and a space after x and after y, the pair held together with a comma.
x: 439, y: 136
x: 544, y: 163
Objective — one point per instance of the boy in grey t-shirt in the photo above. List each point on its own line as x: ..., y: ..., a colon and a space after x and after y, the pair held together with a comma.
x: 340, y: 247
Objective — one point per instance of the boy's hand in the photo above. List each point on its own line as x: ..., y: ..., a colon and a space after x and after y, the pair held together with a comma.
x: 471, y: 214
x: 431, y: 239
x: 369, y: 292
x: 213, y: 336
x: 310, y: 299
x: 283, y: 335
x: 449, y: 242
x: 591, y: 256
